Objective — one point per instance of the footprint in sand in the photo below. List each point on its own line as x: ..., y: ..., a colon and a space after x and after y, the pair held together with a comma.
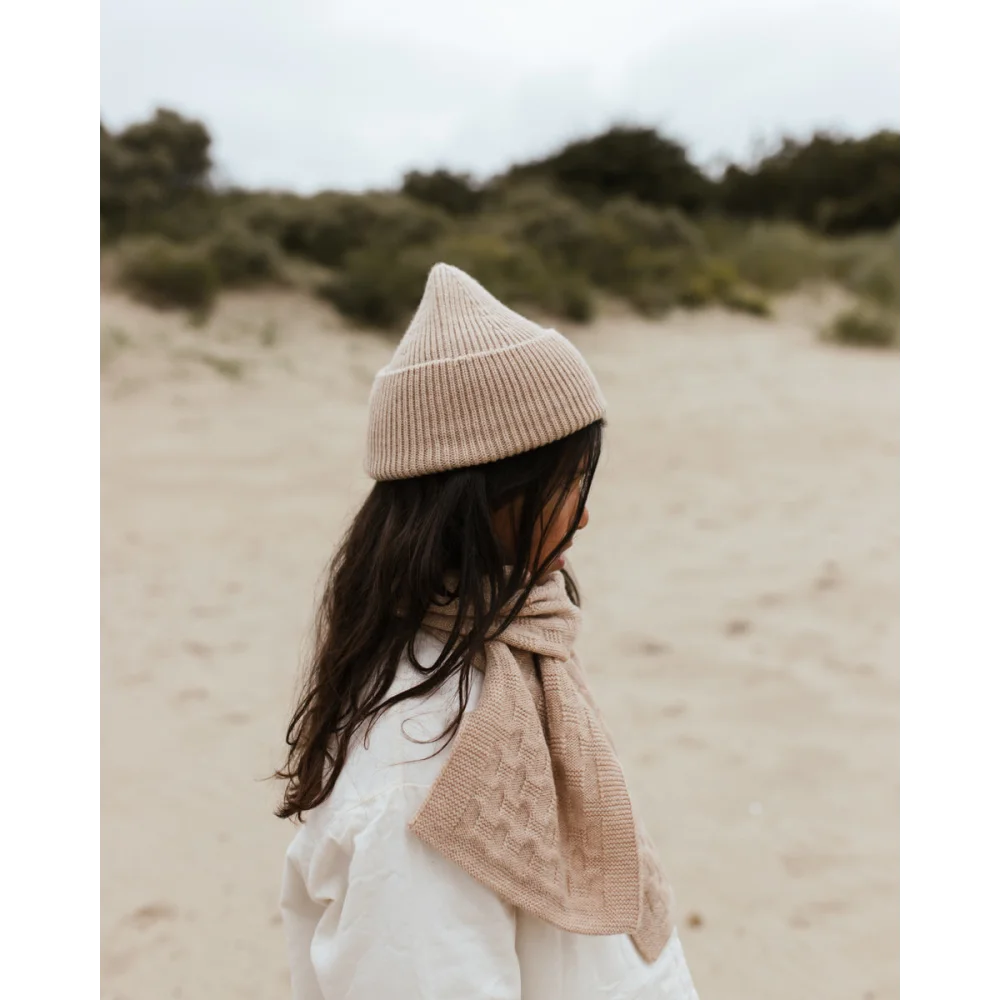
x: 150, y: 914
x: 829, y: 577
x: 851, y: 669
x: 652, y: 647
x: 805, y: 916
x: 770, y: 600
x: 692, y: 742
x: 206, y: 611
x: 803, y: 864
x: 114, y: 963
x: 130, y: 680
x: 189, y: 695
x: 673, y: 709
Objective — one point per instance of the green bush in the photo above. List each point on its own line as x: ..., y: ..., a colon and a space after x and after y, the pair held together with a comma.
x: 189, y: 219
x: 746, y: 299
x: 456, y: 194
x: 560, y: 231
x: 646, y: 225
x: 778, y: 257
x: 868, y: 266
x: 865, y: 326
x: 657, y: 281
x: 397, y: 221
x: 631, y: 240
x: 154, y: 178
x: 576, y: 299
x: 834, y: 184
x: 376, y: 287
x: 268, y: 213
x: 624, y: 160
x: 651, y: 280
x: 381, y: 288
x: 876, y: 279
x: 167, y: 275
x: 660, y: 280
x: 710, y: 281
x: 599, y: 247
x: 243, y: 258
x: 517, y: 274
x: 326, y: 227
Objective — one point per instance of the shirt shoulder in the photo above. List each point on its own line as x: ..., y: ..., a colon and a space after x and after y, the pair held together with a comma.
x: 406, y: 746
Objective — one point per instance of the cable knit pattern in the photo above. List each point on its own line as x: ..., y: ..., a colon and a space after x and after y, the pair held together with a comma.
x: 533, y: 802
x: 473, y: 382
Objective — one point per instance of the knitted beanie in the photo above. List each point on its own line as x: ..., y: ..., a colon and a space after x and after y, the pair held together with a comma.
x: 473, y: 382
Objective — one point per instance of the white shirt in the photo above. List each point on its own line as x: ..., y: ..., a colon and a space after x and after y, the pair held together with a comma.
x: 372, y: 913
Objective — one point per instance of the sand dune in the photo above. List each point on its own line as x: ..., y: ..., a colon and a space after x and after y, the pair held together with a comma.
x: 740, y: 577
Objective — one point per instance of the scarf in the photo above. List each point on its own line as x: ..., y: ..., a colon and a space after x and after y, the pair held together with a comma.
x: 532, y: 802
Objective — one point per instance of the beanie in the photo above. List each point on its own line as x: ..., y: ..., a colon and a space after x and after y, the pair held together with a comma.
x: 473, y: 382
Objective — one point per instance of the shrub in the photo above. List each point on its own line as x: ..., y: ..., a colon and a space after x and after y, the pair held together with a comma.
x: 865, y: 326
x: 154, y: 177
x: 868, y: 266
x: 834, y: 184
x: 269, y: 213
x: 625, y: 160
x: 577, y: 300
x: 558, y: 229
x: 631, y: 239
x: 381, y: 288
x: 711, y: 280
x: 517, y: 274
x: 243, y: 258
x: 327, y: 227
x: 656, y: 228
x: 876, y: 279
x: 658, y: 280
x: 746, y: 299
x: 167, y: 275
x: 317, y: 228
x: 778, y: 257
x: 650, y: 280
x: 456, y: 194
x: 376, y: 287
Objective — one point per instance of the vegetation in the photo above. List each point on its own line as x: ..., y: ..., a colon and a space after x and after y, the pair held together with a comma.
x: 625, y: 214
x: 865, y: 326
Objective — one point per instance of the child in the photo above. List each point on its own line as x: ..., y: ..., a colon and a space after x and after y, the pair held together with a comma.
x: 466, y: 831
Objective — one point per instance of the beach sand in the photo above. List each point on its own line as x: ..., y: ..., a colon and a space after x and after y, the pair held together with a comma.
x: 740, y: 585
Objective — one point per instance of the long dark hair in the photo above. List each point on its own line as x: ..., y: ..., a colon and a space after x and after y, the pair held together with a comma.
x: 392, y: 564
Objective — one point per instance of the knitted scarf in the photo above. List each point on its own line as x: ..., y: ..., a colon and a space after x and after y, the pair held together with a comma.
x: 532, y: 802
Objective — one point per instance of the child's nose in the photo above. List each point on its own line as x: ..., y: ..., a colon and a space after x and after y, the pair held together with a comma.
x: 585, y: 518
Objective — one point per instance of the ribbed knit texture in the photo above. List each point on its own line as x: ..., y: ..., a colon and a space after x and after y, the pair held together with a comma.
x: 532, y: 801
x: 473, y: 382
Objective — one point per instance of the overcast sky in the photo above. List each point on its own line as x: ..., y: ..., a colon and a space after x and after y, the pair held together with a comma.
x: 305, y: 95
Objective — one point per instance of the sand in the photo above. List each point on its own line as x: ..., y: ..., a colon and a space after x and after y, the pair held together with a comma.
x: 740, y: 579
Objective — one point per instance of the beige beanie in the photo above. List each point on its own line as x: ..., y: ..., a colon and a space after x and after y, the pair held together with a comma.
x: 473, y: 382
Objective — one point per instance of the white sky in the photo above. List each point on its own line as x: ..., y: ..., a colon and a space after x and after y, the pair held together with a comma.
x: 305, y: 95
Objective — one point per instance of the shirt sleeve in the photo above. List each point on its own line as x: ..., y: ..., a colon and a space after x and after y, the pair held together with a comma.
x: 400, y: 920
